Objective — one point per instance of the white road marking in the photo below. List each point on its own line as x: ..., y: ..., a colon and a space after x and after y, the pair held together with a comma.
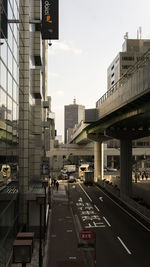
x: 101, y: 199
x: 85, y: 193
x: 126, y: 211
x: 107, y: 221
x: 72, y: 258
x: 129, y: 252
x: 96, y: 207
x: 69, y: 231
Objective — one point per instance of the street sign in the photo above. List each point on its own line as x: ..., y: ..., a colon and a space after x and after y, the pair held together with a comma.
x: 86, y: 235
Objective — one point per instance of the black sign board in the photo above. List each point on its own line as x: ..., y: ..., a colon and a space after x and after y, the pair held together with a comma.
x: 50, y: 17
x: 3, y: 19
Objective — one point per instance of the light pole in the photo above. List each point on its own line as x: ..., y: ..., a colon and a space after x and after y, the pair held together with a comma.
x: 40, y: 201
x: 45, y: 185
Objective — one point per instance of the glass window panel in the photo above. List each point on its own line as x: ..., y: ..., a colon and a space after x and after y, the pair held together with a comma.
x: 3, y: 74
x: 15, y: 31
x: 10, y: 60
x: 3, y: 103
x: 10, y: 12
x: 15, y: 72
x: 10, y: 36
x: 9, y: 110
x: 15, y: 92
x: 3, y: 50
x: 14, y: 111
x: 9, y: 84
x: 15, y: 10
x: 15, y: 54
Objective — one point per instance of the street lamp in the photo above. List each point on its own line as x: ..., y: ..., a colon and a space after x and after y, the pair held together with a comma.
x: 40, y: 201
x: 45, y: 185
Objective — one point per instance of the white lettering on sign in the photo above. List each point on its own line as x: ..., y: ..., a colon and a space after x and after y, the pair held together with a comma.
x: 47, y: 8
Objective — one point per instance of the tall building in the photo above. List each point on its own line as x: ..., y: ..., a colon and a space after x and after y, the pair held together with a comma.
x: 132, y: 51
x: 73, y: 114
x: 25, y: 116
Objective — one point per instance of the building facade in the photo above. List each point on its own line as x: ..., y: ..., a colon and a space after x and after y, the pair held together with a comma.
x: 25, y: 115
x: 73, y: 114
x: 132, y: 51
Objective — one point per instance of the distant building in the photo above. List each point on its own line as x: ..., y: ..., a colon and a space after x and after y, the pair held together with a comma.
x: 73, y: 114
x: 132, y: 51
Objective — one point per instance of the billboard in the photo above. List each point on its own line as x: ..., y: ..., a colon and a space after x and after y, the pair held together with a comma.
x: 3, y: 19
x: 50, y: 17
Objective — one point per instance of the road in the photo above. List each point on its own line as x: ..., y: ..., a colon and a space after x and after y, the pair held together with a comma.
x: 121, y: 240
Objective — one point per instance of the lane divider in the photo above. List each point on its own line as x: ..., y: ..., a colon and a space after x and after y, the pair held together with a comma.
x: 85, y: 193
x: 107, y: 221
x: 123, y: 244
x: 96, y: 208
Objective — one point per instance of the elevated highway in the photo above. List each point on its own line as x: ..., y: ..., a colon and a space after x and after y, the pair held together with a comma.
x: 124, y: 114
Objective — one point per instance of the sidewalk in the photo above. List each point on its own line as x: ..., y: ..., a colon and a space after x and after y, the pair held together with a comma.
x: 62, y: 244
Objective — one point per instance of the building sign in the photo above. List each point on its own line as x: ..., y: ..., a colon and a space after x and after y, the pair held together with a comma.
x: 50, y: 19
x: 3, y: 19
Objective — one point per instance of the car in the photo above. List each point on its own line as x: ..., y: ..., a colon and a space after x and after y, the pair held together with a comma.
x: 111, y: 169
x: 72, y: 179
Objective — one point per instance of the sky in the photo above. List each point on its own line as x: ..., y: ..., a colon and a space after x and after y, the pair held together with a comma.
x: 91, y: 34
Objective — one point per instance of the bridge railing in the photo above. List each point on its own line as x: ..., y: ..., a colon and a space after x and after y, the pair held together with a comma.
x: 144, y: 58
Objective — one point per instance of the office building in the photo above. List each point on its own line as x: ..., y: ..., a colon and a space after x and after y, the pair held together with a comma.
x: 73, y: 114
x: 26, y: 120
x: 132, y: 51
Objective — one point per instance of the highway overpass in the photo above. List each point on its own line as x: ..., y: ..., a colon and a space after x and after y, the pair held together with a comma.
x: 124, y: 114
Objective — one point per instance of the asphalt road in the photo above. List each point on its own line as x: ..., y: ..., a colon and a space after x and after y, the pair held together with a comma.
x: 121, y: 240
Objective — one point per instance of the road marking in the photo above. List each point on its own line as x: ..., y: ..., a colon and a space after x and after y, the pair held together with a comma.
x: 85, y: 193
x: 96, y: 207
x: 129, y: 252
x: 107, y: 221
x: 72, y: 258
x: 125, y: 211
x: 101, y: 199
x: 69, y: 231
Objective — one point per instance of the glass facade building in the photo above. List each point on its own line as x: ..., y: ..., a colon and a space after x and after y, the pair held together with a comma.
x: 9, y: 122
x: 23, y: 92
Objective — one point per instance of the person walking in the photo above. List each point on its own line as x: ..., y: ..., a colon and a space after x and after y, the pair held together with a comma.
x: 57, y: 185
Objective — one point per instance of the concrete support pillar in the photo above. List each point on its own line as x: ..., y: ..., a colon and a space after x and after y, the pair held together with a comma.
x: 125, y: 168
x: 112, y: 161
x: 98, y: 161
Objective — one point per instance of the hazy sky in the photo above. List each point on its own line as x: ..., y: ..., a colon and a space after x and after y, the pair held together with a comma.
x: 91, y: 33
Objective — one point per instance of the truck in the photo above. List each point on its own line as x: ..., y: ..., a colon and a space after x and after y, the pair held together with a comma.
x: 69, y: 168
x: 83, y: 168
x: 88, y: 177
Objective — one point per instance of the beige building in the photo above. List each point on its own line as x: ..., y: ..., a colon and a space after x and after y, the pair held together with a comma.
x: 132, y: 51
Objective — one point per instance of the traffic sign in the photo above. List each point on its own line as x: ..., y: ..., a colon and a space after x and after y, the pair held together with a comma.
x: 86, y: 234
